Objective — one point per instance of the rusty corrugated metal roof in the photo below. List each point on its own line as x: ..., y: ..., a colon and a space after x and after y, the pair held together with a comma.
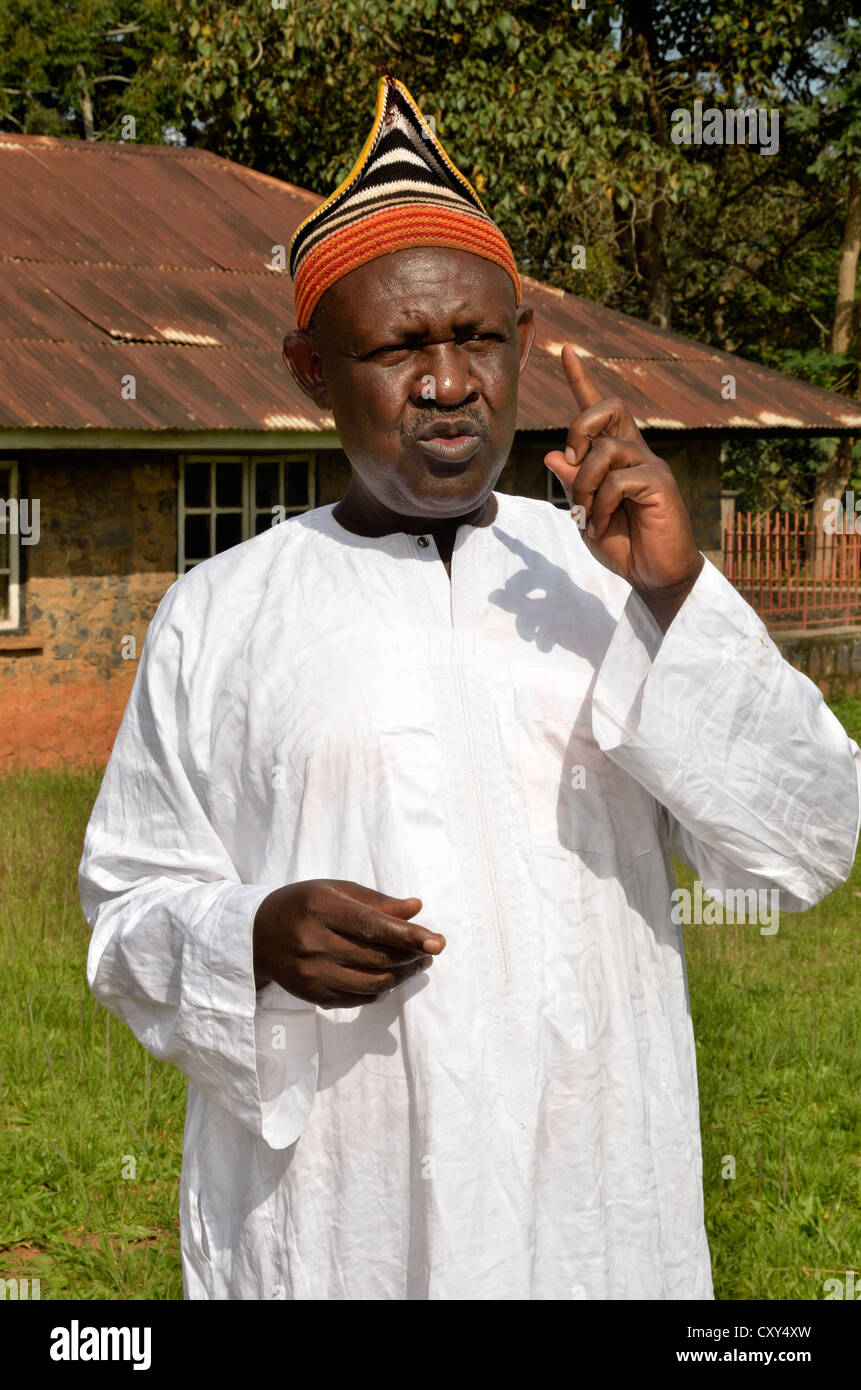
x: 120, y: 260
x: 668, y: 381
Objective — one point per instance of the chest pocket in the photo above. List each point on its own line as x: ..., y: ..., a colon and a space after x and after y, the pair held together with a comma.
x: 578, y: 801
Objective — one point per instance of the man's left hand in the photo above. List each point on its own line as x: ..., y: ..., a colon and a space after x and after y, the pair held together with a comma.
x: 627, y: 499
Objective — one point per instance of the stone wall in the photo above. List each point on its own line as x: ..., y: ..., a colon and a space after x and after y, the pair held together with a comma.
x: 832, y: 658
x: 106, y: 555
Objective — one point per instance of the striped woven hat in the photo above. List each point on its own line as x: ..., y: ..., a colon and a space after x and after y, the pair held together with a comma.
x: 402, y: 191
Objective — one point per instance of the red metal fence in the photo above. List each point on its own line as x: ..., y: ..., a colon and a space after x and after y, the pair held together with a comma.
x: 790, y: 572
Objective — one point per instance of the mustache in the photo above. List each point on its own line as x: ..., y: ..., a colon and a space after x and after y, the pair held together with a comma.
x: 442, y: 417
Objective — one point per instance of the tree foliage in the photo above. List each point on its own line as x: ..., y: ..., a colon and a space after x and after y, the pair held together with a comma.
x: 561, y: 117
x: 77, y: 69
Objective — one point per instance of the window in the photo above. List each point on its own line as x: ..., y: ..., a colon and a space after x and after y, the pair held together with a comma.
x: 10, y: 541
x: 555, y: 490
x: 226, y: 499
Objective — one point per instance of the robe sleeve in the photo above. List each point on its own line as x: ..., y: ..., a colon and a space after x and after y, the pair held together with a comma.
x: 760, y: 783
x: 171, y: 946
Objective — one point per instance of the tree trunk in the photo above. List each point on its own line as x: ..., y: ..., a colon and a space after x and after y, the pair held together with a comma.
x: 651, y: 237
x: 845, y: 310
x: 651, y: 243
x: 86, y: 105
x: 833, y: 480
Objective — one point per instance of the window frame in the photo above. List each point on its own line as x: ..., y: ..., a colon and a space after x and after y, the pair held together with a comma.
x: 248, y: 509
x: 282, y: 459
x: 13, y: 570
x: 552, y: 481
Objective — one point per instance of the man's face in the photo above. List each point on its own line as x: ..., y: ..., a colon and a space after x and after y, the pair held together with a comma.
x: 418, y: 355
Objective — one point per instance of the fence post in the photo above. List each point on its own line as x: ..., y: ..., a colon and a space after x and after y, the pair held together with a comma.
x: 806, y: 571
x: 781, y: 565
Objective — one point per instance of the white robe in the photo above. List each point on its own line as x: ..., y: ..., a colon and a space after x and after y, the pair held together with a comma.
x: 520, y: 748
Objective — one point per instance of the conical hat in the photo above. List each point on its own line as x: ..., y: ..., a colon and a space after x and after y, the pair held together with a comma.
x: 402, y: 191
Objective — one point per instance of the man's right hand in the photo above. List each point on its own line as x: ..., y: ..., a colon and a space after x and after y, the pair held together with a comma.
x: 337, y: 944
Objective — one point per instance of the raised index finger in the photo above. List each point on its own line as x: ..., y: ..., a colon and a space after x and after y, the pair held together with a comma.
x: 362, y: 922
x: 585, y: 391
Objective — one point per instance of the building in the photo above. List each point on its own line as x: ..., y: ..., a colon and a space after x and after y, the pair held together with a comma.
x: 147, y: 420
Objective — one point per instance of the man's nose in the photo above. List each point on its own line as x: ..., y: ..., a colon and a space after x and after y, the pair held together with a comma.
x: 446, y: 376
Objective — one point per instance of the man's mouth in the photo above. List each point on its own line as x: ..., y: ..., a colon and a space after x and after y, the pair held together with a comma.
x: 453, y: 441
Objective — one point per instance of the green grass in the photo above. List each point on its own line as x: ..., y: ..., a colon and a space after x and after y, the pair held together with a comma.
x: 776, y: 1024
x: 79, y: 1093
x: 775, y: 1019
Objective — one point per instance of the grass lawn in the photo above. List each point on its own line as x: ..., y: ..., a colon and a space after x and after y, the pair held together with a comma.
x: 80, y: 1095
x: 91, y: 1137
x: 776, y: 1024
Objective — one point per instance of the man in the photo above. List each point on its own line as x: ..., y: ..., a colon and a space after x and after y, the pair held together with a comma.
x: 381, y: 859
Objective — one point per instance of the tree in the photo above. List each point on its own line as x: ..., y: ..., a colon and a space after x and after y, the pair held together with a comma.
x: 835, y: 118
x: 536, y: 102
x: 77, y: 69
x: 560, y: 117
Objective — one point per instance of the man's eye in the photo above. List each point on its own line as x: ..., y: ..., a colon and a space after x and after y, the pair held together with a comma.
x: 390, y: 348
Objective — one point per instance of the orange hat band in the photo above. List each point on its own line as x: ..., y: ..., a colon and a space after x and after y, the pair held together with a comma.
x: 395, y: 229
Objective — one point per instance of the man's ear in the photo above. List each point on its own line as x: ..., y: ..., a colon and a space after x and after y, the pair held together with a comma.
x: 526, y: 334
x: 305, y: 367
